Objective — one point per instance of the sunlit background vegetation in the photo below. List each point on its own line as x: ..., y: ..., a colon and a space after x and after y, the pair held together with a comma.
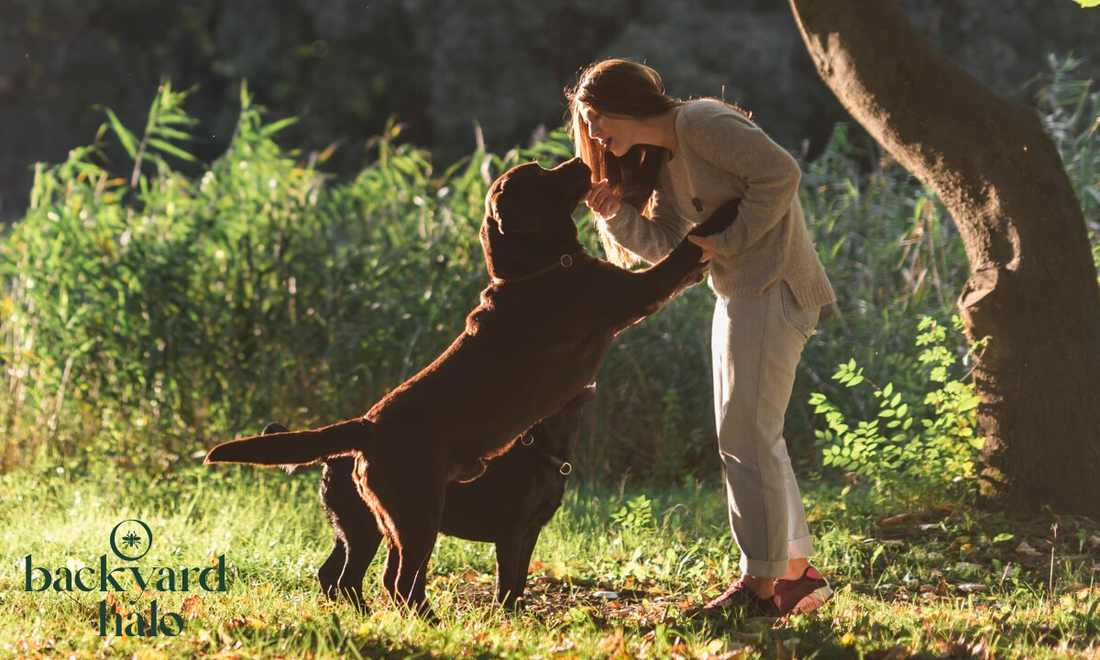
x: 158, y: 303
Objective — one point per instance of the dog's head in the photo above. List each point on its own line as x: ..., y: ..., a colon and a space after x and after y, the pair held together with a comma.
x: 528, y: 217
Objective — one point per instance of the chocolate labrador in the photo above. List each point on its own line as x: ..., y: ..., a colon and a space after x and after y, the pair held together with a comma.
x: 508, y: 506
x: 539, y: 335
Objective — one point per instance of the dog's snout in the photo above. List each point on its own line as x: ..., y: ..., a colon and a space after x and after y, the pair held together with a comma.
x: 578, y: 173
x: 573, y: 164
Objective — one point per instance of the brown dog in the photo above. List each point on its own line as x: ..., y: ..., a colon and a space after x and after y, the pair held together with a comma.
x: 507, y: 506
x: 540, y: 334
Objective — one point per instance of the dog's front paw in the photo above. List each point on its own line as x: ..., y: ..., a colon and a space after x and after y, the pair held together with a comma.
x: 692, y: 277
x: 722, y: 217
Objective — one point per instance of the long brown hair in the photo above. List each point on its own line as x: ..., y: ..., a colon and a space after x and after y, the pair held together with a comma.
x: 627, y: 89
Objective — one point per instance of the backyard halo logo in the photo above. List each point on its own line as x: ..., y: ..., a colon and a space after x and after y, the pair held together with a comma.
x: 130, y: 541
x: 133, y: 540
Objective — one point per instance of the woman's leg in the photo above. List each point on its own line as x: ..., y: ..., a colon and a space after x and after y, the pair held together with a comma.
x: 757, y: 344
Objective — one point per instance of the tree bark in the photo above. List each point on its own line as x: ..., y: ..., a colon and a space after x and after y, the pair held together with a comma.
x: 1033, y: 285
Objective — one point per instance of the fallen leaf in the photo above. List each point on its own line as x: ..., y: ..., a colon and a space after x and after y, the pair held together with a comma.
x: 734, y: 655
x: 898, y: 652
x: 971, y: 587
x: 614, y: 644
x: 115, y: 605
x: 569, y: 645
x: 1026, y: 550
x: 894, y: 520
x: 677, y: 651
x: 891, y: 543
x: 722, y: 649
x: 193, y: 607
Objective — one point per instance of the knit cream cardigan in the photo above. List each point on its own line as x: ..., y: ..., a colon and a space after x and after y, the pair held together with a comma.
x: 723, y: 155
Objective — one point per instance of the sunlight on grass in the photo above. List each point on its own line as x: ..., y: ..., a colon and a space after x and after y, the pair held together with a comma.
x: 940, y: 581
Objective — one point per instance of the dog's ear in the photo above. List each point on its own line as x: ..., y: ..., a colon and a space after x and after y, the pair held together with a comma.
x: 515, y: 206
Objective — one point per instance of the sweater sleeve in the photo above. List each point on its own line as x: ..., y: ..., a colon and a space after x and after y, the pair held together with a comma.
x: 771, y: 175
x: 649, y: 238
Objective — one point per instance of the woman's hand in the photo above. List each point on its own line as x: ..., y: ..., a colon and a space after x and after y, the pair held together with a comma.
x: 602, y: 201
x: 706, y: 244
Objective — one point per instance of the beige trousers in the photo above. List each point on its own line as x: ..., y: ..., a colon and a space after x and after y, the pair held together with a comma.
x: 756, y: 346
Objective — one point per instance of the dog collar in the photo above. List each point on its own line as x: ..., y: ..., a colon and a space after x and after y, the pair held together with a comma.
x: 565, y: 261
x: 564, y: 467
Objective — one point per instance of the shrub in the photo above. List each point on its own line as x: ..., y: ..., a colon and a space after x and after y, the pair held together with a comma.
x: 170, y: 312
x: 154, y: 307
x: 919, y: 440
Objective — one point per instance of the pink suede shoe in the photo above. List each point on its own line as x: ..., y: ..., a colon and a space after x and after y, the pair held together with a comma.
x: 803, y: 595
x: 740, y: 597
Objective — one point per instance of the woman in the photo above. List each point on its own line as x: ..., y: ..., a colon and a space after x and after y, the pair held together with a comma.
x: 663, y: 165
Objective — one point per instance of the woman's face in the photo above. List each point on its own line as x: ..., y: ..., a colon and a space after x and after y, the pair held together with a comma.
x: 615, y: 133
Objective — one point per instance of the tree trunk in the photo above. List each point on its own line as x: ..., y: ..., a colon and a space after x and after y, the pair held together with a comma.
x: 1033, y: 285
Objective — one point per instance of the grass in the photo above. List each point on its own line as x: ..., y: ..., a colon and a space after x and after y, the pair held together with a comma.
x: 937, y: 580
x: 124, y: 352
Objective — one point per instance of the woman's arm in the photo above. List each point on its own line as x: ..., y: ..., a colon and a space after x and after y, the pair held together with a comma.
x: 649, y: 238
x: 770, y: 174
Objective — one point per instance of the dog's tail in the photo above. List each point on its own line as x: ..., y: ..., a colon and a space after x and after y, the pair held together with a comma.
x: 294, y: 447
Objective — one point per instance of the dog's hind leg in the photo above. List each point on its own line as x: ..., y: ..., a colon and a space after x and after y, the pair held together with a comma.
x: 329, y: 573
x: 405, y: 575
x: 356, y: 533
x: 389, y: 575
x: 413, y: 511
x: 415, y: 547
x: 513, y: 560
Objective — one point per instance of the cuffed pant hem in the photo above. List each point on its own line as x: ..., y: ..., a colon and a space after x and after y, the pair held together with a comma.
x: 763, y: 569
x: 801, y: 548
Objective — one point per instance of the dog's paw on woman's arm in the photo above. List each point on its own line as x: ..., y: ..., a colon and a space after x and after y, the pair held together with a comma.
x: 722, y: 217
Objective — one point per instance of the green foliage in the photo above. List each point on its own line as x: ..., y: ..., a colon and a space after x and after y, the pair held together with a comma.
x: 1070, y: 109
x: 177, y: 310
x: 162, y: 128
x: 153, y: 306
x: 636, y: 515
x: 920, y: 440
x: 935, y: 581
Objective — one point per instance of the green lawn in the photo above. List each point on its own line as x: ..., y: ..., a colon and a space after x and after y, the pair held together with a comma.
x: 921, y: 581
